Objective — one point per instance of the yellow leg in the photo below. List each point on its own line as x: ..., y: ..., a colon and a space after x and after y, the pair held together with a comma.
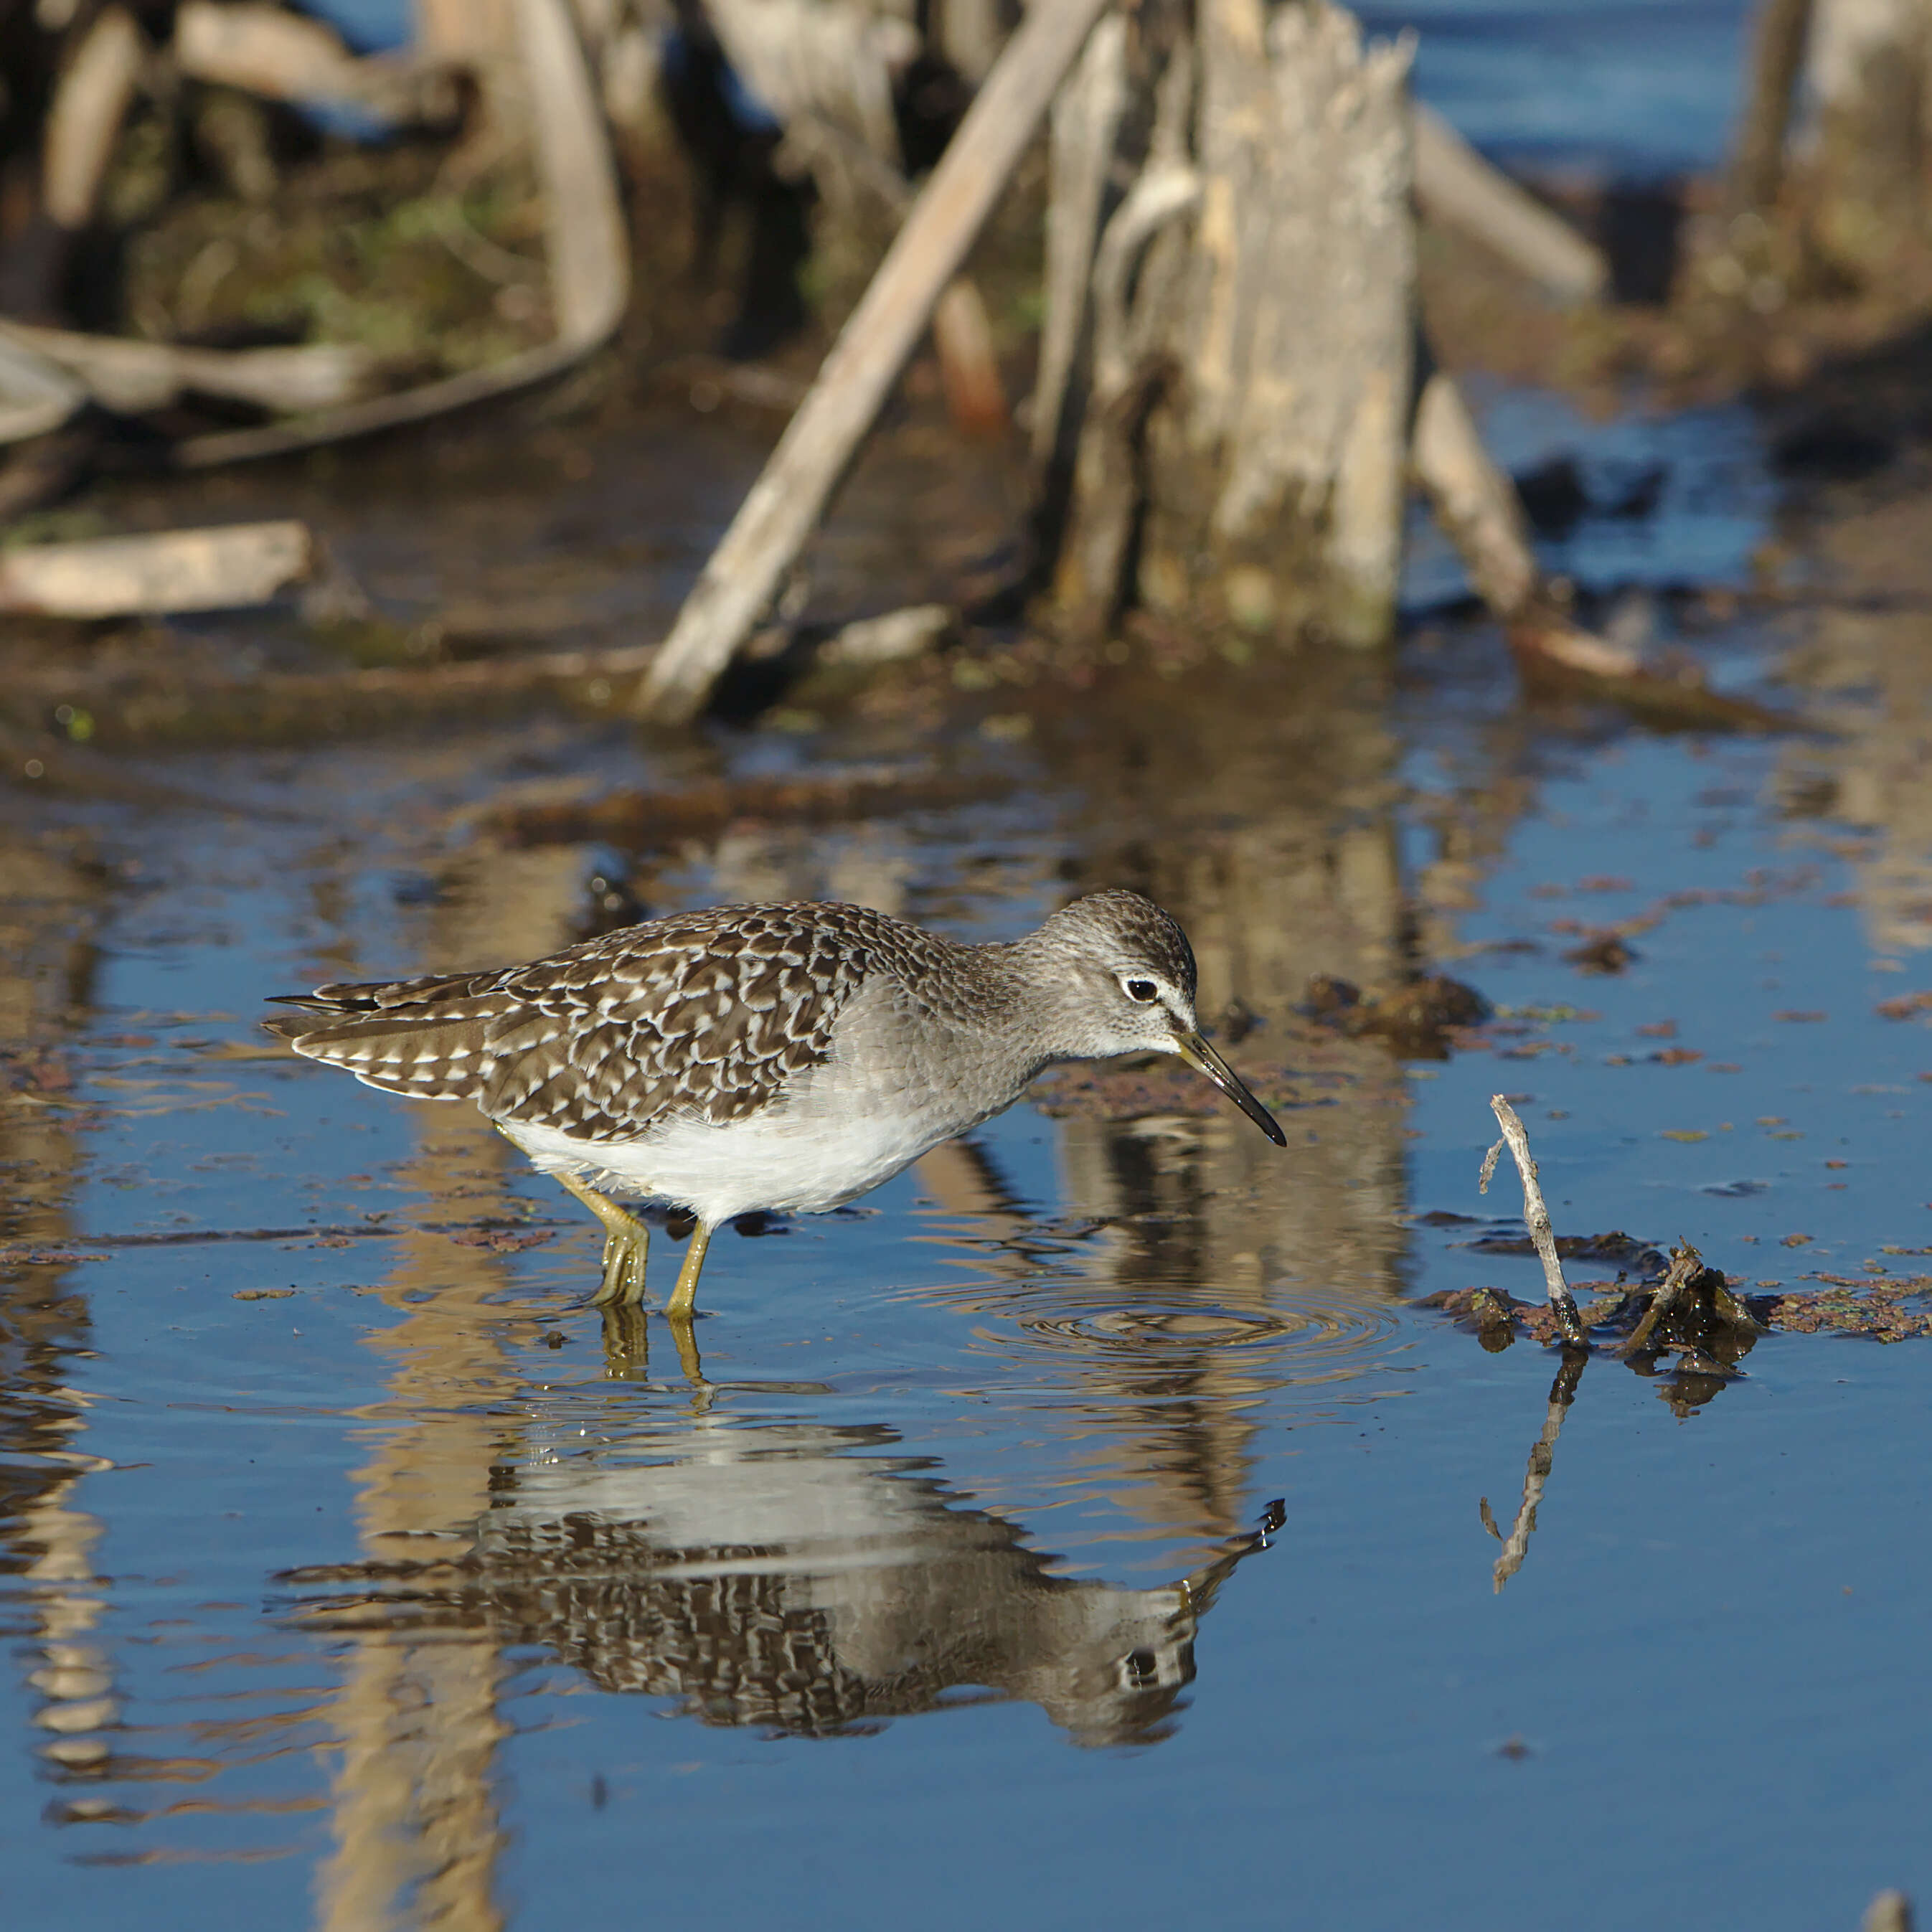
x: 627, y: 1244
x: 685, y: 1295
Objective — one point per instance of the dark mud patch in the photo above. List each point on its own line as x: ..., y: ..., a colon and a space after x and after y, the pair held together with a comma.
x: 1876, y: 1311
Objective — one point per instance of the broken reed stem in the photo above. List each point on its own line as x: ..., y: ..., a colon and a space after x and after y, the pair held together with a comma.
x: 1535, y: 1215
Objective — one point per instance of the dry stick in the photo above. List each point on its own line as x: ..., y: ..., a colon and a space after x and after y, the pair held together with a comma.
x: 1481, y: 515
x: 283, y: 56
x: 221, y: 568
x: 132, y: 377
x: 1475, y: 501
x: 1457, y: 187
x: 787, y: 501
x: 969, y: 369
x: 1536, y: 1216
x: 1086, y: 114
x: 37, y: 395
x: 88, y: 106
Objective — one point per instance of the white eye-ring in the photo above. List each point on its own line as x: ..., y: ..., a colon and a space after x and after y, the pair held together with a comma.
x: 1142, y: 992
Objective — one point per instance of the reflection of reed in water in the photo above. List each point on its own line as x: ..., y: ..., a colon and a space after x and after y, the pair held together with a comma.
x: 1870, y: 668
x: 794, y: 1577
x: 1262, y: 813
x: 414, y: 1803
x: 46, y: 1539
x: 1154, y: 1342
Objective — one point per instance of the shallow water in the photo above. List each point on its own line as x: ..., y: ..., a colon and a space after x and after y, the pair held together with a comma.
x: 1635, y: 88
x: 1089, y: 1528
x: 359, y: 1575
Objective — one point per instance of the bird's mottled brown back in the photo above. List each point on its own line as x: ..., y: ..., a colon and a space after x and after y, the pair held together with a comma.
x: 710, y: 1012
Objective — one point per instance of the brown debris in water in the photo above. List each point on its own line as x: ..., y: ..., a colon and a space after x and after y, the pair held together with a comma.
x: 1419, y: 1017
x: 1607, y: 953
x: 501, y: 1241
x: 1905, y: 1007
x: 638, y: 821
x: 1615, y: 1249
x: 1706, y: 1312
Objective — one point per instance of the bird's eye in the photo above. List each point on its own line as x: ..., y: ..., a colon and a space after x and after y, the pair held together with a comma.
x: 1143, y: 991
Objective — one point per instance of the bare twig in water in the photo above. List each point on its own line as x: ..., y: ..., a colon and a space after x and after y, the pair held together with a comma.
x: 1516, y: 1545
x: 1536, y: 1217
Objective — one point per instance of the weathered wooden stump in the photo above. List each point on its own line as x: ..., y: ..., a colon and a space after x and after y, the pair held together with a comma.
x: 1869, y: 80
x: 1222, y: 423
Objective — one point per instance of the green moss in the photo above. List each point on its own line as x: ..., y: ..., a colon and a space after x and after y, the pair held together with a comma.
x: 367, y: 246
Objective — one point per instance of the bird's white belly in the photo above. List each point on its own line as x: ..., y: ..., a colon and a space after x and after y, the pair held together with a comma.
x: 795, y: 1160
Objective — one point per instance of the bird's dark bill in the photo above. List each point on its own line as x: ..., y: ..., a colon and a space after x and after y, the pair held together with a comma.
x: 1202, y: 1058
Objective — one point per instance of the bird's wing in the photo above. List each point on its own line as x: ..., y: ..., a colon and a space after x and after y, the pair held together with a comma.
x: 711, y: 1012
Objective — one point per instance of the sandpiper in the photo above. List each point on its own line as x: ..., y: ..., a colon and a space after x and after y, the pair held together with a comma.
x: 785, y: 1057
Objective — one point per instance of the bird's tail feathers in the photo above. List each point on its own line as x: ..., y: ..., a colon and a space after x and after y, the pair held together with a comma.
x: 426, y: 1038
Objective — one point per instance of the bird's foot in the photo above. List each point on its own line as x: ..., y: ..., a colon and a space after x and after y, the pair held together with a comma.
x: 624, y: 1252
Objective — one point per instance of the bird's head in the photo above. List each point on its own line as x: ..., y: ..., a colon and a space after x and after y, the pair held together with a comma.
x: 1124, y: 974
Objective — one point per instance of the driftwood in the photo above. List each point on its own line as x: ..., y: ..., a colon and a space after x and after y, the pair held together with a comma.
x: 88, y: 106
x: 1888, y: 1912
x: 1222, y: 421
x: 1476, y: 504
x: 1479, y: 510
x: 1225, y: 415
x: 123, y: 373
x: 37, y: 395
x: 1455, y: 186
x: 891, y: 637
x: 1867, y: 75
x: 1237, y: 357
x: 267, y: 50
x: 969, y: 369
x: 588, y: 250
x: 1281, y: 457
x: 216, y: 569
x: 322, y: 390
x: 785, y: 503
x: 1085, y: 125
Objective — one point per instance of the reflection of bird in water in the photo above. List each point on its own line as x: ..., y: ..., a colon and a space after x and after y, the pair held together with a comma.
x: 750, y: 1057
x: 769, y: 1575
